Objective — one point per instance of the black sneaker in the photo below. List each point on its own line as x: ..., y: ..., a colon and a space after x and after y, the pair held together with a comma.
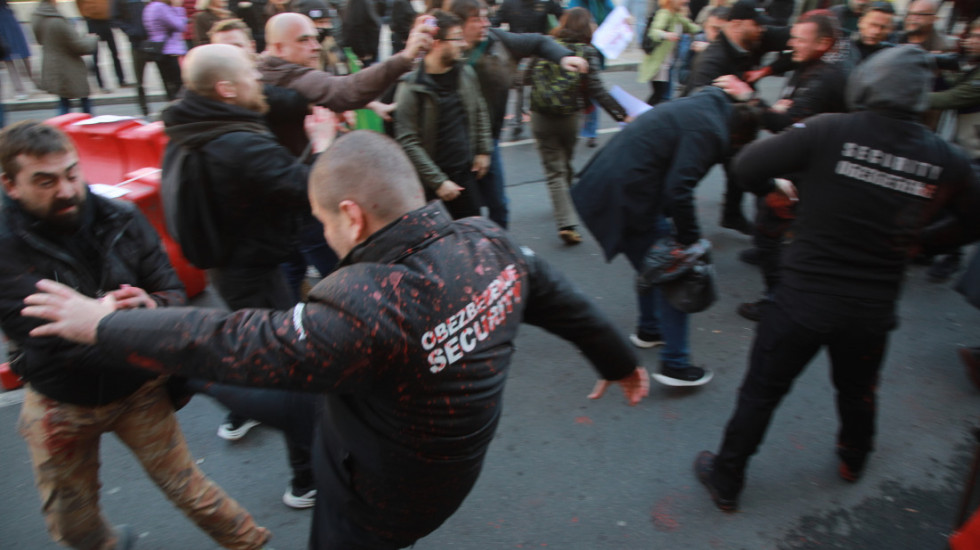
x: 751, y: 310
x: 704, y: 466
x: 683, y: 376
x: 646, y: 340
x: 851, y: 463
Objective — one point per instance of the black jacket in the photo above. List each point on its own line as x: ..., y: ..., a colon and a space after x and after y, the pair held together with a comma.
x: 410, y: 339
x: 721, y: 58
x: 815, y: 87
x: 527, y: 15
x: 649, y: 169
x: 130, y: 254
x: 258, y: 186
x: 871, y: 180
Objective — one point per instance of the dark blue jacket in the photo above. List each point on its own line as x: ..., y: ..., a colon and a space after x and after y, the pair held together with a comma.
x: 650, y: 169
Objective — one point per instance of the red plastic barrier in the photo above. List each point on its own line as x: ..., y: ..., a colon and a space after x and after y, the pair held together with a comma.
x: 8, y: 379
x: 65, y: 120
x: 968, y: 536
x: 142, y: 187
x: 101, y: 153
x: 144, y: 145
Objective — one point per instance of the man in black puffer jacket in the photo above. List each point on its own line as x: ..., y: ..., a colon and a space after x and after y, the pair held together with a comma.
x: 52, y: 227
x: 409, y: 340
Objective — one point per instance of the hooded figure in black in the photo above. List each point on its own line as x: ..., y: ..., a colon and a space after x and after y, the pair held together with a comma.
x: 870, y: 180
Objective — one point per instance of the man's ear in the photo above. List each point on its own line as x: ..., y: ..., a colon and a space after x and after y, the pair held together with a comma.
x: 226, y: 89
x: 8, y: 186
x: 356, y: 221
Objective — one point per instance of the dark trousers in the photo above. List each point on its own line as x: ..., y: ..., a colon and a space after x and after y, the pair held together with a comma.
x: 103, y: 29
x: 771, y: 226
x: 294, y: 413
x: 732, y: 208
x: 855, y: 333
x: 469, y: 201
x: 169, y: 68
x: 658, y: 91
x: 139, y: 65
x: 265, y: 287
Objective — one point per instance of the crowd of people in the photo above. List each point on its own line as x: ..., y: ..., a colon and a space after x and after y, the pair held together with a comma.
x: 386, y: 376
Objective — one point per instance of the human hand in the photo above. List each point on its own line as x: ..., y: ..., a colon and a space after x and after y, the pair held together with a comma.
x: 636, y: 386
x: 321, y: 128
x: 628, y: 119
x: 699, y: 45
x: 73, y: 316
x: 383, y: 110
x: 574, y: 64
x: 177, y: 3
x: 734, y: 87
x: 672, y: 36
x: 130, y: 297
x: 448, y: 190
x: 420, y: 38
x: 782, y: 105
x: 481, y: 163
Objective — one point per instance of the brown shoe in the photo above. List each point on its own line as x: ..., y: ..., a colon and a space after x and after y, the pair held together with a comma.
x: 570, y: 236
x: 971, y: 359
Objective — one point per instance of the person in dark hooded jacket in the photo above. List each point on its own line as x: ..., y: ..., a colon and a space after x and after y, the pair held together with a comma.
x: 646, y: 174
x: 870, y: 180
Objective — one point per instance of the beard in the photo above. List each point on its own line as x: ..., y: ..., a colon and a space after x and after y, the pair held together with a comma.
x: 259, y: 104
x: 65, y: 222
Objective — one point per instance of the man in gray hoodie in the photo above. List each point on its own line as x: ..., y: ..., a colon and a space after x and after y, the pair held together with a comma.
x: 870, y: 179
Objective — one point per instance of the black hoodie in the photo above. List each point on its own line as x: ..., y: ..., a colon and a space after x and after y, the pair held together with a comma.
x: 872, y: 178
x: 258, y: 186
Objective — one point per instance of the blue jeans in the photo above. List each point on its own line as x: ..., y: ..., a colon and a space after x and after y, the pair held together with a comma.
x: 657, y: 315
x: 491, y: 187
x: 590, y: 128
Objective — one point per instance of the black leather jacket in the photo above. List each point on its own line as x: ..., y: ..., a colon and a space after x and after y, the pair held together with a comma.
x: 130, y: 254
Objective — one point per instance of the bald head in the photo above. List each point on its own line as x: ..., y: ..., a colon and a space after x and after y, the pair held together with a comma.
x: 206, y: 66
x: 293, y: 38
x: 370, y: 169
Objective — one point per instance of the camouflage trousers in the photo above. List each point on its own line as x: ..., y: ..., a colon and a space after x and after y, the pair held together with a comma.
x: 63, y: 441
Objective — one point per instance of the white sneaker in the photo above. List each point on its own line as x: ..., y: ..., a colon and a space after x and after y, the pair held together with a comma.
x: 231, y: 432
x: 300, y: 502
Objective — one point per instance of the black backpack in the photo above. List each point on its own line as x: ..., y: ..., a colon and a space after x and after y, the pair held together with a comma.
x: 648, y: 44
x: 189, y: 209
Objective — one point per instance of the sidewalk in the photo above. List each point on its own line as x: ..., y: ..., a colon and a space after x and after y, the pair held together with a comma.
x: 39, y: 100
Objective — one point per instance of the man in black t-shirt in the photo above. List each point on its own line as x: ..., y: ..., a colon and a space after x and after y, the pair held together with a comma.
x: 442, y: 122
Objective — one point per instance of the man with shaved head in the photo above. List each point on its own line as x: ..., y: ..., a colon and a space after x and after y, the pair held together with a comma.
x: 256, y: 192
x: 920, y: 28
x: 292, y: 58
x: 409, y: 342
